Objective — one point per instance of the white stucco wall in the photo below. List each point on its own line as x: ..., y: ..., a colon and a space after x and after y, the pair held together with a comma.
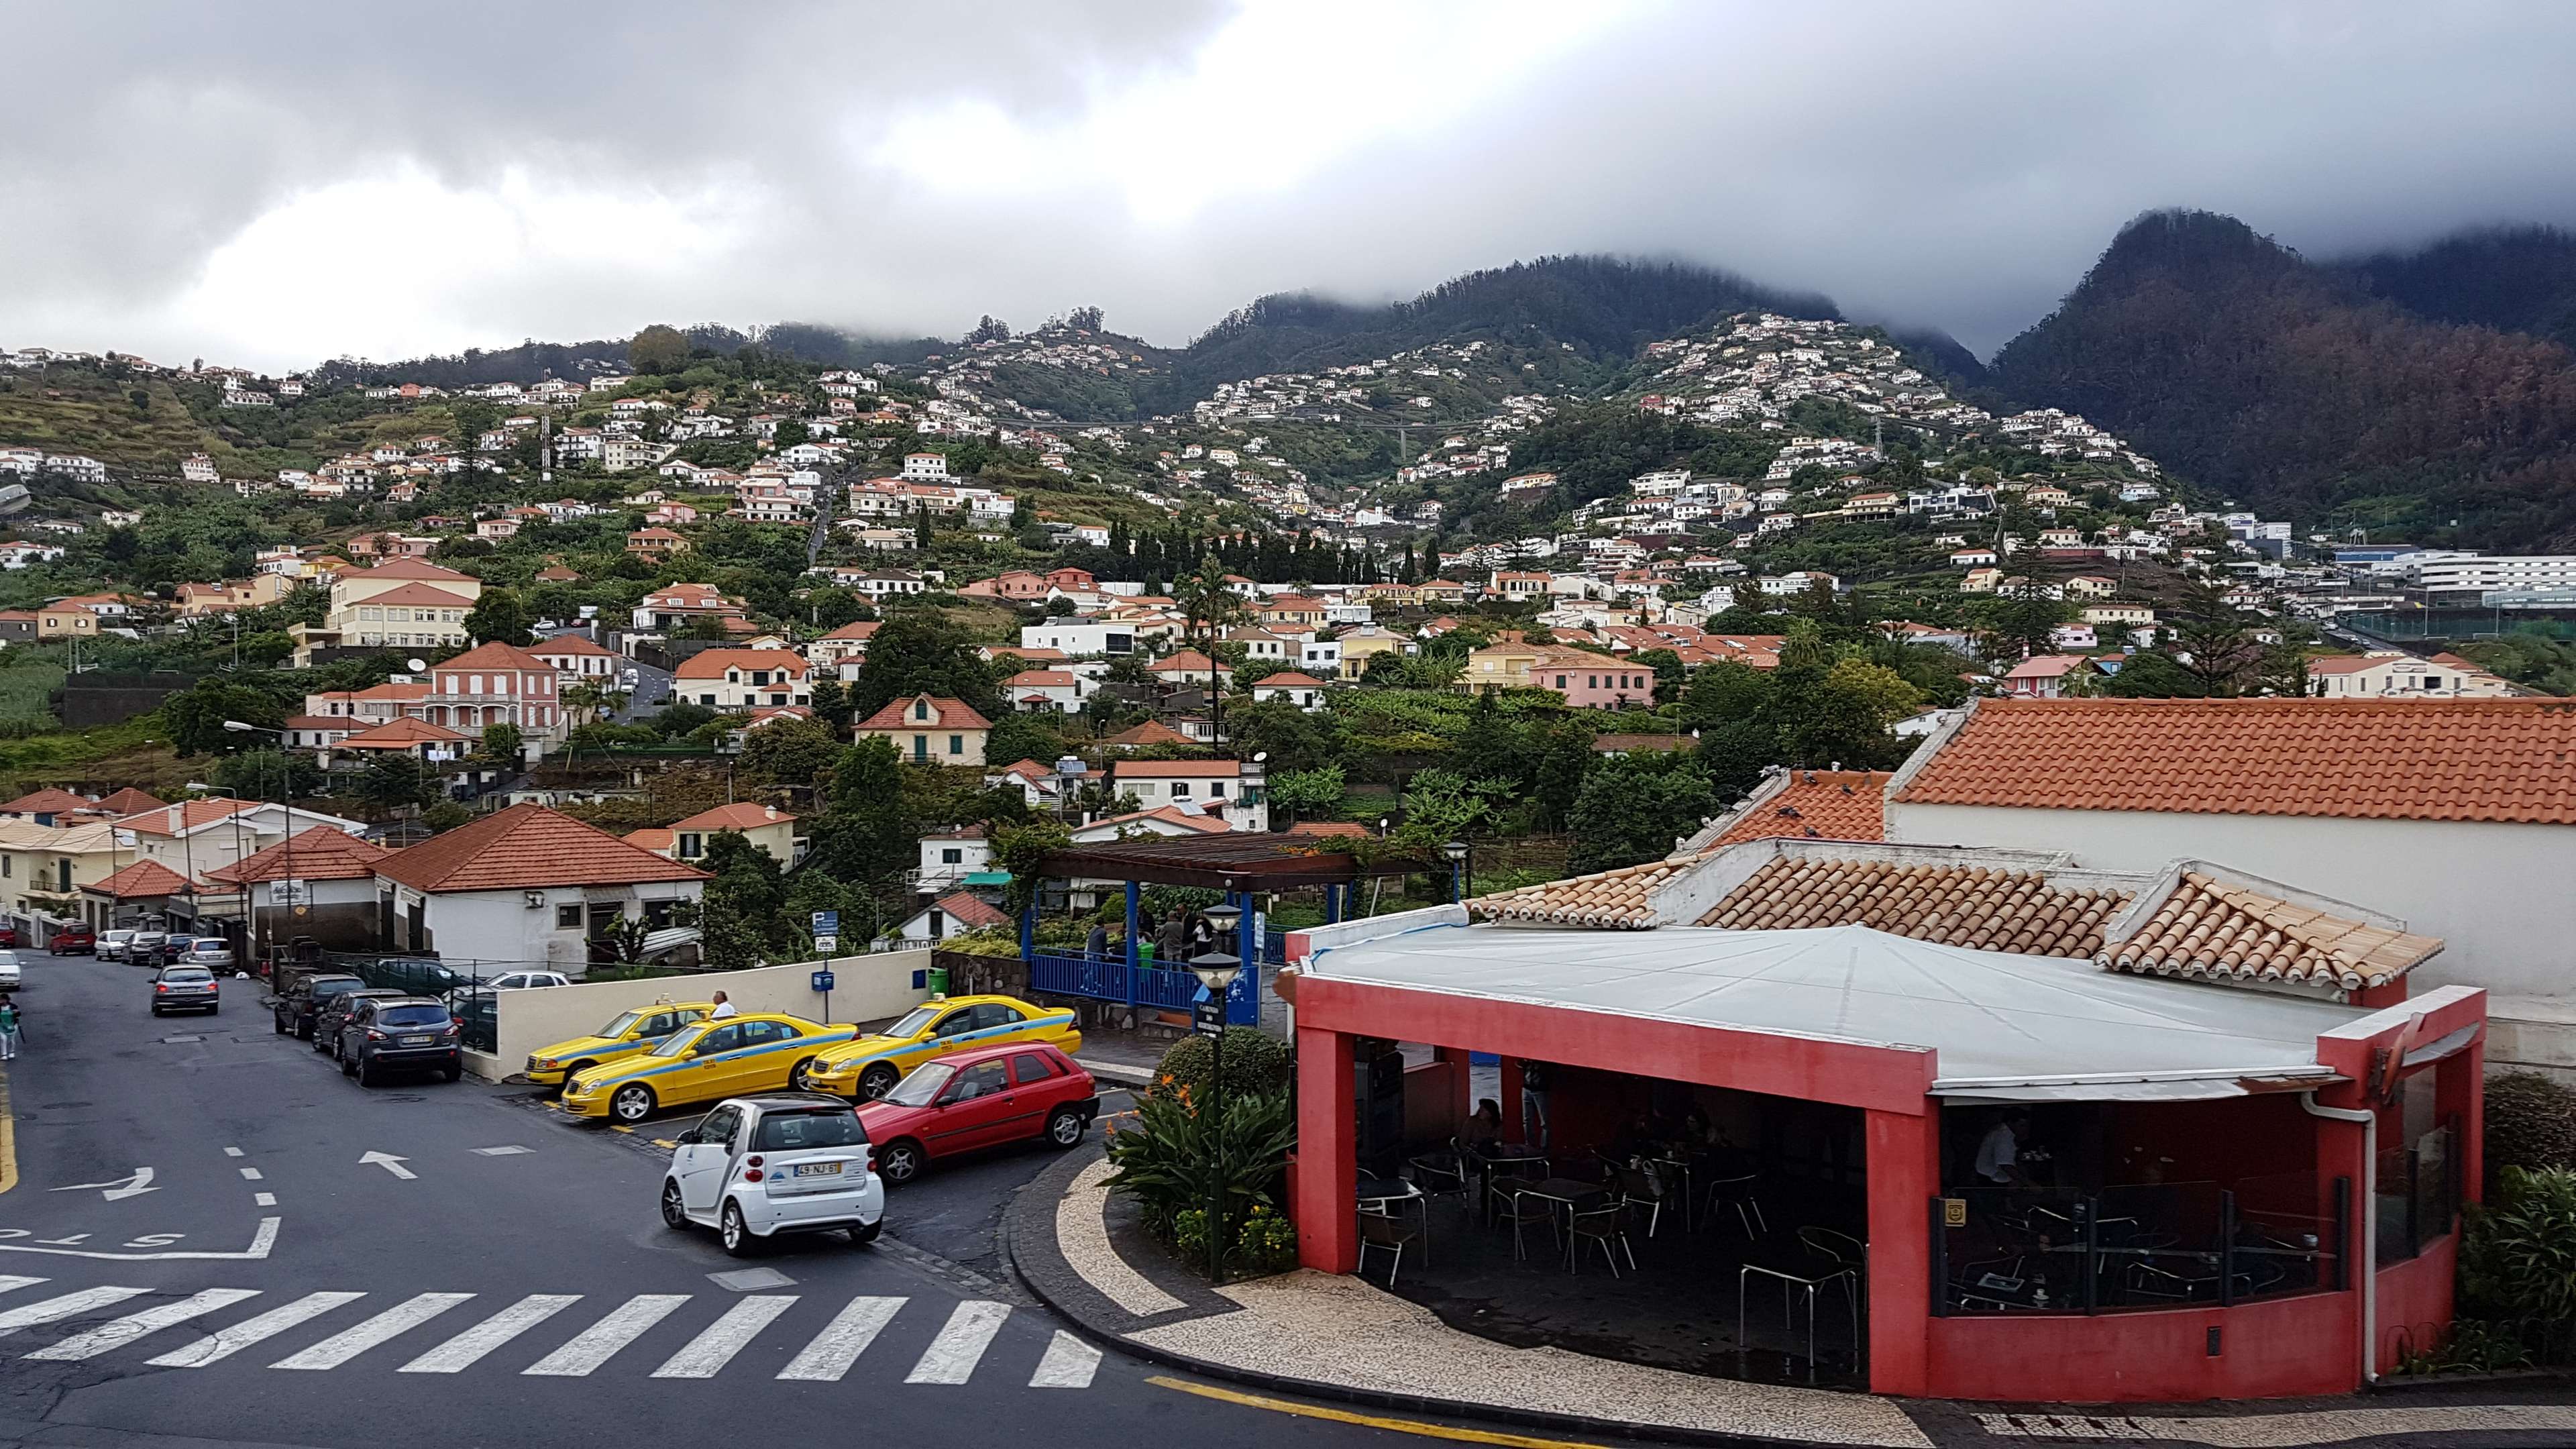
x: 2503, y: 897
x: 499, y: 931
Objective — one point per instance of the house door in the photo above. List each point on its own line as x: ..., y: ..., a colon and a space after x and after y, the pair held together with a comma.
x: 604, y: 916
x: 417, y: 920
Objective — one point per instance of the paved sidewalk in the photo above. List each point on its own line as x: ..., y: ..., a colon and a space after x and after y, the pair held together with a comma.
x: 1081, y: 1251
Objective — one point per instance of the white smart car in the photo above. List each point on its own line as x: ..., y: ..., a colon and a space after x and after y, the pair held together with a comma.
x: 785, y: 1162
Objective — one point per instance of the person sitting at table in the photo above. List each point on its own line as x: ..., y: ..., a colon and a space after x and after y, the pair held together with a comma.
x: 1484, y: 1127
x: 1637, y: 1139
x: 1999, y: 1152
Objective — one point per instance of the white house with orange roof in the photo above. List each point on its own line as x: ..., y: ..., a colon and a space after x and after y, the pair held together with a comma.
x: 769, y: 830
x: 928, y: 729
x: 402, y: 604
x: 1233, y: 789
x: 498, y: 683
x: 734, y: 681
x: 578, y: 659
x: 526, y: 886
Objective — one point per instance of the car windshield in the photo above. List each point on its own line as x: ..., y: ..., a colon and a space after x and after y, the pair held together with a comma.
x: 334, y: 988
x: 413, y: 1016
x: 118, y: 936
x: 788, y: 1131
x: 924, y: 1083
x: 192, y: 975
x: 913, y: 1023
x: 618, y: 1025
x: 678, y: 1043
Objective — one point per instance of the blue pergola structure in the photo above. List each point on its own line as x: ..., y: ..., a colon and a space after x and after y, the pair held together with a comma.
x: 1240, y: 864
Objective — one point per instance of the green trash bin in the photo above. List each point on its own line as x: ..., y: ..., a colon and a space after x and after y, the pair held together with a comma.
x: 938, y: 980
x: 1145, y: 953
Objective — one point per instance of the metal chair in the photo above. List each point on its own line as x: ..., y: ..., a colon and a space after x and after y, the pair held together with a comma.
x: 1603, y: 1227
x: 1522, y: 1209
x: 1441, y: 1174
x: 1793, y: 1285
x: 1384, y: 1231
x: 1737, y: 1193
x: 1637, y: 1190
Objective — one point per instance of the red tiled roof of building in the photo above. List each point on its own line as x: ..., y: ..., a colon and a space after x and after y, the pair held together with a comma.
x: 1832, y: 804
x: 344, y: 723
x: 1192, y: 769
x: 401, y: 734
x: 158, y: 820
x: 524, y: 847
x: 495, y: 655
x: 1202, y: 824
x: 320, y: 853
x: 654, y: 838
x: 1187, y: 662
x: 47, y: 802
x: 2218, y: 928
x: 412, y: 568
x: 1328, y: 827
x: 568, y: 644
x: 858, y: 629
x: 127, y: 801
x: 712, y: 663
x: 733, y: 817
x: 143, y: 878
x: 417, y: 594
x: 2503, y: 760
x: 947, y: 714
x: 1150, y: 732
x: 1978, y: 907
x: 970, y: 912
x: 1289, y: 679
x: 1040, y: 679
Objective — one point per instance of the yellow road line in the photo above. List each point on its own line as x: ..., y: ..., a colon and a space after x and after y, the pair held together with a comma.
x: 1369, y: 1421
x: 8, y: 1138
x: 613, y: 1127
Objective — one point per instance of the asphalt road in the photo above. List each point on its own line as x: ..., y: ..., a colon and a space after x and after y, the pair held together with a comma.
x: 211, y: 1303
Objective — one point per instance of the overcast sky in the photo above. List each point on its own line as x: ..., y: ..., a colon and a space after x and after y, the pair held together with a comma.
x: 273, y: 184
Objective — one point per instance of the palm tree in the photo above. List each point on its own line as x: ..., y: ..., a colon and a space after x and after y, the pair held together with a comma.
x: 1208, y: 605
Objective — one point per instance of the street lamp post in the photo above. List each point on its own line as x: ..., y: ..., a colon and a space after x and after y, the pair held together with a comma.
x: 285, y: 799
x: 1216, y: 971
x: 1456, y: 853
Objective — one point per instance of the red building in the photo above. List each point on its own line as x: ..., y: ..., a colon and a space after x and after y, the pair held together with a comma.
x: 2256, y: 1175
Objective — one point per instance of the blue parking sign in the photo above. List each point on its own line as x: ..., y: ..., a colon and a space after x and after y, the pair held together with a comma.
x: 822, y: 980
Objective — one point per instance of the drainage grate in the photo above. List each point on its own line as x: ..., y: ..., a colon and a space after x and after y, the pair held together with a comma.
x: 180, y: 1040
x: 2065, y: 1426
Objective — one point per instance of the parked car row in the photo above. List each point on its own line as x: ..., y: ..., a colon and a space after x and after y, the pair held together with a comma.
x: 369, y: 1030
x: 146, y: 948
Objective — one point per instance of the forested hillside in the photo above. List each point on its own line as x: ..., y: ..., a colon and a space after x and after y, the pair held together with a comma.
x: 2514, y: 279
x: 2290, y: 386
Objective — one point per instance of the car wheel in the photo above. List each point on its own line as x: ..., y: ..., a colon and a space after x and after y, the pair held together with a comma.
x: 214, y: 1011
x: 348, y: 1068
x: 675, y: 1214
x: 796, y: 1078
x: 1064, y: 1129
x: 736, y: 1233
x: 305, y: 1032
x: 277, y: 1026
x: 156, y: 1011
x: 633, y: 1103
x: 878, y: 1080
x: 450, y: 1074
x: 866, y: 1233
x: 899, y: 1161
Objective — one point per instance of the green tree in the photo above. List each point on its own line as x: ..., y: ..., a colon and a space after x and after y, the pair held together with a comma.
x: 657, y: 349
x: 1634, y: 807
x: 398, y: 780
x: 2153, y: 674
x: 1842, y: 714
x: 2211, y: 643
x: 501, y: 744
x: 794, y: 752
x: 1733, y: 753
x: 862, y: 837
x: 195, y: 717
x: 2022, y: 621
x: 832, y: 703
x: 268, y: 774
x: 919, y: 652
x: 499, y: 616
x: 1724, y: 690
x: 1025, y: 735
x: 1308, y: 794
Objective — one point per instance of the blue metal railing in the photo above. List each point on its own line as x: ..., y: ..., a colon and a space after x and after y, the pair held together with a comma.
x: 1112, y: 979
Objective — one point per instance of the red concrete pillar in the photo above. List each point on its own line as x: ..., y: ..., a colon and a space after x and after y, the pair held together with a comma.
x: 2459, y: 1090
x: 1512, y: 1123
x: 1327, y: 1159
x: 1904, y: 1169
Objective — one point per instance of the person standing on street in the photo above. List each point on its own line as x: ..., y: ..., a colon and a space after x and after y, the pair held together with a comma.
x: 8, y: 1028
x: 1534, y: 1103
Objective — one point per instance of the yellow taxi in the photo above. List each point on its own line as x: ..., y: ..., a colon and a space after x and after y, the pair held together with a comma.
x: 731, y: 1056
x: 626, y: 1034
x: 868, y: 1068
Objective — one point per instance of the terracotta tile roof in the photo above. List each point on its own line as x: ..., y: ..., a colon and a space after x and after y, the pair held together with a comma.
x: 947, y: 714
x: 1328, y: 827
x: 1611, y: 898
x: 127, y: 801
x: 712, y: 663
x: 523, y: 847
x: 1202, y: 824
x: 1151, y: 732
x: 47, y: 802
x: 495, y: 655
x: 1816, y: 804
x: 734, y: 817
x: 1184, y: 769
x: 401, y: 734
x: 657, y: 840
x: 1188, y: 662
x: 412, y: 568
x: 1979, y: 907
x: 970, y: 912
x: 568, y: 644
x: 861, y: 629
x: 320, y: 853
x: 2468, y: 759
x: 422, y: 594
x: 345, y: 724
x: 143, y: 878
x: 1040, y: 679
x: 171, y: 819
x: 1289, y: 679
x: 2217, y: 928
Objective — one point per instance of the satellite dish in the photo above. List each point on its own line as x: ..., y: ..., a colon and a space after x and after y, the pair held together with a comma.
x: 415, y: 665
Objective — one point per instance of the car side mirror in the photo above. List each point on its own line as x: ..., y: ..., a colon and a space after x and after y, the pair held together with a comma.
x: 690, y: 1138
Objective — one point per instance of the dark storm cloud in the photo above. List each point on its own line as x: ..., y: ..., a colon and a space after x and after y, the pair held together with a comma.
x: 904, y: 168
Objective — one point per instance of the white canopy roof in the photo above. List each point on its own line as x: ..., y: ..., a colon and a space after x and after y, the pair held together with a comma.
x: 2007, y: 1027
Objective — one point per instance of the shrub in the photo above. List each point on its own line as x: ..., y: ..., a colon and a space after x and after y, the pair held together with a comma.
x: 2530, y: 1122
x: 1176, y: 1159
x: 2519, y: 1259
x: 1267, y: 1243
x: 1254, y: 1063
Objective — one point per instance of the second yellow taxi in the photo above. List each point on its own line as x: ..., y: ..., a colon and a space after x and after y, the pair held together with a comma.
x: 629, y: 1032
x: 868, y: 1067
x: 728, y: 1057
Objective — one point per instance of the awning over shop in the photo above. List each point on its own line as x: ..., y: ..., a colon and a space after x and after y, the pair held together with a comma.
x: 2006, y: 1027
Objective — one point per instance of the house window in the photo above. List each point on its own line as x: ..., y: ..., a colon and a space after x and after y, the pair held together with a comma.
x: 920, y: 747
x: 1216, y: 789
x: 951, y: 855
x: 956, y: 744
x: 1180, y: 790
x: 921, y: 709
x: 568, y: 918
x: 706, y: 699
x: 692, y: 845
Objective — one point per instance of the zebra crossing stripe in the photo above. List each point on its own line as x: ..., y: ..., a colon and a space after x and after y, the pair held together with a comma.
x: 223, y: 1343
x: 952, y: 1356
x: 839, y: 1345
x: 600, y: 1342
x: 1069, y: 1364
x: 116, y: 1333
x: 403, y: 1317
x: 462, y: 1351
x: 705, y: 1355
x: 70, y: 1305
x: 11, y: 1282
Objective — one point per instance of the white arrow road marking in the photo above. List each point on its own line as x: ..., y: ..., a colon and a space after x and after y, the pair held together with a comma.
x: 596, y: 1344
x: 390, y: 1163
x: 70, y: 1305
x: 223, y: 1343
x: 952, y: 1356
x: 839, y: 1345
x: 465, y: 1348
x: 1069, y: 1364
x: 117, y: 1333
x: 338, y: 1349
x: 710, y: 1351
x: 260, y: 1244
x: 139, y: 1183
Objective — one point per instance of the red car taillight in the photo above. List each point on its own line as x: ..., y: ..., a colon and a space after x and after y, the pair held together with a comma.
x: 160, y: 986
x: 374, y: 1035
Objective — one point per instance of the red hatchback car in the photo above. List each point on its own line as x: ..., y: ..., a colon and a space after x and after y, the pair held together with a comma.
x: 1027, y: 1092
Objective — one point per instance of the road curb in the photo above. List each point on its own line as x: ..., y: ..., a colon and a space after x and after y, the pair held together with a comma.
x: 1125, y: 1076
x: 1039, y: 1263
